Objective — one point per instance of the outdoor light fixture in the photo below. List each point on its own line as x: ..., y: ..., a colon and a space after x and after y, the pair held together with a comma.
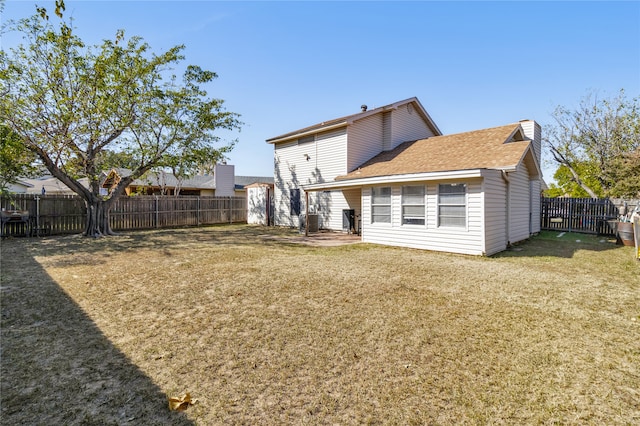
x: 307, y: 157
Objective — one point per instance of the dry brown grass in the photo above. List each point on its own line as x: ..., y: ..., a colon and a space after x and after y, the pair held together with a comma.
x: 264, y: 331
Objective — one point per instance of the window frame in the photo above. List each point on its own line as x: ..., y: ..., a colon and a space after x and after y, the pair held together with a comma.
x: 463, y: 204
x: 295, y: 205
x: 413, y: 220
x: 305, y: 140
x: 375, y: 205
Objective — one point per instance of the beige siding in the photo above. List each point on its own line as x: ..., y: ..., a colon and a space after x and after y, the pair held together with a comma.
x: 329, y: 205
x: 285, y: 170
x: 468, y: 240
x: 495, y: 213
x: 533, y: 131
x: 312, y: 162
x: 371, y: 135
x: 536, y: 189
x: 407, y: 125
x: 365, y: 140
x: 331, y: 156
x: 520, y: 204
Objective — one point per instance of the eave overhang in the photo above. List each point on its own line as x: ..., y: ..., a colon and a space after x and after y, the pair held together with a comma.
x: 406, y: 178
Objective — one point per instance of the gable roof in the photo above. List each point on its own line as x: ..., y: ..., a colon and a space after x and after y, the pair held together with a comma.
x: 170, y: 180
x: 242, y: 182
x: 51, y: 185
x: 501, y: 147
x: 346, y: 120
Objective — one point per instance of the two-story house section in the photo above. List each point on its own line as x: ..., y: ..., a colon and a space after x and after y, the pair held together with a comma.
x: 318, y: 154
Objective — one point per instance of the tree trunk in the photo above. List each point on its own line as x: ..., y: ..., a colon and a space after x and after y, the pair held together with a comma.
x: 562, y: 160
x: 97, y: 221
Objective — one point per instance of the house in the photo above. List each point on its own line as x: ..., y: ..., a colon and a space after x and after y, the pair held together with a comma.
x: 19, y: 186
x: 222, y: 183
x: 392, y: 175
x: 47, y: 184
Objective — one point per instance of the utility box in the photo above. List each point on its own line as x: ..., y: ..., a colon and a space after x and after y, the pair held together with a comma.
x: 313, y: 223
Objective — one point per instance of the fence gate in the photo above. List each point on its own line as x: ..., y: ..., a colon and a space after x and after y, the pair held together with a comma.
x: 586, y: 215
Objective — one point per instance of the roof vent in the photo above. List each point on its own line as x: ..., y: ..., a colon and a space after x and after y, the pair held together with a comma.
x: 363, y: 108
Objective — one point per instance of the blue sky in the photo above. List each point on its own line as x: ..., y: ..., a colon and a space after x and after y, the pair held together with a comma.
x: 287, y: 65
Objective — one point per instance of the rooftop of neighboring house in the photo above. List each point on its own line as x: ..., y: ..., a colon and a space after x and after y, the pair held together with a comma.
x: 52, y: 185
x: 194, y: 182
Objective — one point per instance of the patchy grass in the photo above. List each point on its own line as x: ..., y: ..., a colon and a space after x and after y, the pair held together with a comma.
x: 264, y: 331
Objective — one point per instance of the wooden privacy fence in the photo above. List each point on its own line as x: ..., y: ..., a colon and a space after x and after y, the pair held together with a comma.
x: 66, y: 214
x: 586, y: 215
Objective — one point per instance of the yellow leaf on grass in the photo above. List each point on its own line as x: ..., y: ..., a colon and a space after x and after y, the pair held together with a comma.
x: 181, y: 403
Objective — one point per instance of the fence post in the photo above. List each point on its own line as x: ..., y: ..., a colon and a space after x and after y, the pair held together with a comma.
x: 198, y: 211
x: 37, y: 216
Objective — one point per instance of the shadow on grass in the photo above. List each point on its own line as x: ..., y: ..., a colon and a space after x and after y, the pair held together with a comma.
x: 559, y: 244
x: 57, y: 366
x: 166, y: 241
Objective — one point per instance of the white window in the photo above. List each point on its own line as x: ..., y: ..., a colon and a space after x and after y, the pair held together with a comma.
x: 452, y: 205
x: 413, y: 205
x: 381, y: 205
x: 306, y: 139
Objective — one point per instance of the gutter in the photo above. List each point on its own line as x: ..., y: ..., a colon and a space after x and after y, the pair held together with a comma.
x: 395, y: 179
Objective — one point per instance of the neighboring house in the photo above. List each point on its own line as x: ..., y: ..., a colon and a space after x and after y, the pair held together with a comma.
x: 223, y: 183
x: 20, y: 186
x: 47, y: 184
x: 391, y: 174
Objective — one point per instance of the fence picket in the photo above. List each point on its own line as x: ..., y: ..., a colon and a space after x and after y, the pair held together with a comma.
x: 65, y: 214
x: 585, y: 215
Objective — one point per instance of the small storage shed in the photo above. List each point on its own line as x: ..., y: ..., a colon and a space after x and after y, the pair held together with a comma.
x: 260, y: 203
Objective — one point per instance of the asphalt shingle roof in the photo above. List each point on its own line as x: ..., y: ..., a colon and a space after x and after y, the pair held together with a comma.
x: 494, y: 148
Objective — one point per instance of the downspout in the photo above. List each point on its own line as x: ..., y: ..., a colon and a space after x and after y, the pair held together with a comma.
x: 505, y: 177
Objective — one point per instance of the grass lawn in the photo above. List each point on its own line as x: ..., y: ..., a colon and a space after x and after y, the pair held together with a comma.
x: 265, y: 331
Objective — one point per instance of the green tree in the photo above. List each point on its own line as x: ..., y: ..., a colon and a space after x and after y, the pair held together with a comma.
x: 590, y: 141
x: 566, y: 185
x: 626, y: 176
x: 15, y: 160
x: 70, y: 104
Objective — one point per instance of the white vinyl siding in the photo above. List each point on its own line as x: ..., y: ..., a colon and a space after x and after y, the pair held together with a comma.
x: 365, y: 140
x: 329, y: 205
x: 371, y: 135
x: 407, y: 125
x: 495, y: 213
x: 520, y: 204
x: 535, y: 205
x: 467, y: 240
x: 533, y: 131
x: 413, y: 205
x: 316, y: 161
